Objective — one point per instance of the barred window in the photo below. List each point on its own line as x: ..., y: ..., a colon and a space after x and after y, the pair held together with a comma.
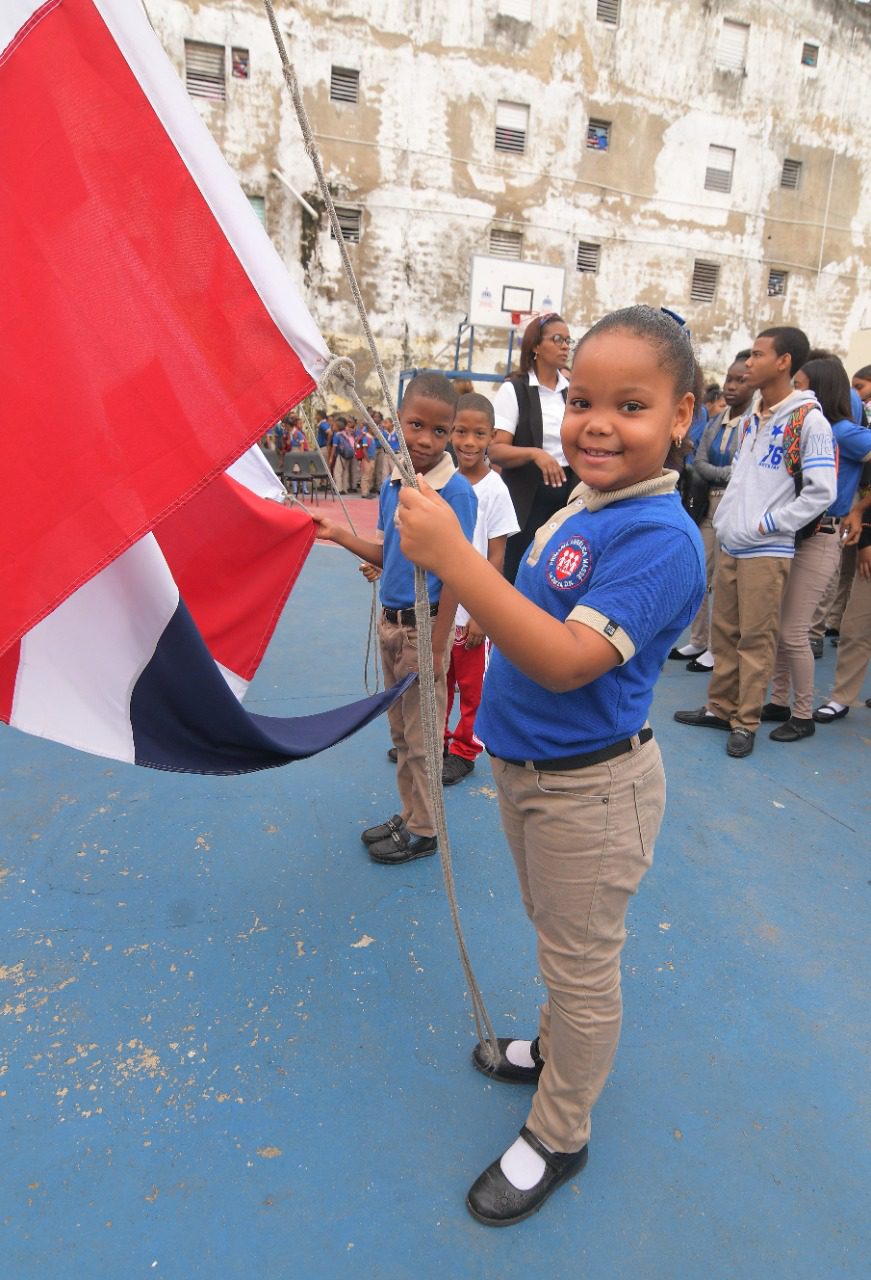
x: 344, y: 84
x: 505, y: 244
x: 205, y: 73
x: 258, y: 204
x: 598, y: 135
x: 777, y: 282
x: 512, y: 126
x: 588, y: 256
x: 790, y: 176
x: 706, y: 277
x: 608, y: 11
x: 350, y: 223
x: 810, y: 54
x: 718, y: 175
x: 731, y: 52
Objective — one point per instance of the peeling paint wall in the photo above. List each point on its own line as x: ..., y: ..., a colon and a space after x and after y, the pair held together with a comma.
x: 417, y: 155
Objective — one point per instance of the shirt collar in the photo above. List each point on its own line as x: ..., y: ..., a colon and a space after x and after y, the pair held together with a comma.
x: 561, y: 380
x: 437, y: 478
x: 595, y: 499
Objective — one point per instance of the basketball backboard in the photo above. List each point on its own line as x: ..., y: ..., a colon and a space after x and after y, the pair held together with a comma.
x: 500, y: 286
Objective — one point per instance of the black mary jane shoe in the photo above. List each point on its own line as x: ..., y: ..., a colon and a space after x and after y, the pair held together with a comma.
x: 676, y: 656
x: 793, y: 730
x: 502, y: 1069
x: 495, y: 1202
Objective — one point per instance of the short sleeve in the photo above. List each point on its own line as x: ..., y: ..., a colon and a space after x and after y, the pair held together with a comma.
x: 854, y: 442
x: 506, y: 409
x: 647, y: 578
x: 501, y: 516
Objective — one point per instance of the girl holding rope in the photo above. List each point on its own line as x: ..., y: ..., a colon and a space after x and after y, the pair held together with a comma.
x: 603, y: 593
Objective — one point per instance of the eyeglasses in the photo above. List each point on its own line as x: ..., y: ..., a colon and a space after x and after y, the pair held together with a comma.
x: 559, y: 339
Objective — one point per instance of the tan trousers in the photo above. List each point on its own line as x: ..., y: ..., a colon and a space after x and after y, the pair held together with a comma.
x: 342, y: 473
x: 830, y: 610
x: 816, y: 560
x: 745, y: 621
x: 398, y: 658
x: 582, y: 842
x: 854, y: 648
x: 367, y: 476
x: 700, y: 631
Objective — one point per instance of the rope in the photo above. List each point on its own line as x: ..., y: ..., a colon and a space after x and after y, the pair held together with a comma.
x: 341, y: 369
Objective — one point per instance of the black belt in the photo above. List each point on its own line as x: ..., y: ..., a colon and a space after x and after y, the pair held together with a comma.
x: 565, y: 763
x: 829, y: 524
x: 406, y: 617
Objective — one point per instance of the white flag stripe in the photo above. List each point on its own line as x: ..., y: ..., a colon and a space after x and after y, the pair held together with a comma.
x: 254, y: 472
x: 79, y: 665
x: 218, y: 184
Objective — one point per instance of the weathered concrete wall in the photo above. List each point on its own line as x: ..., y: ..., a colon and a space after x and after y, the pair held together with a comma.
x: 417, y: 154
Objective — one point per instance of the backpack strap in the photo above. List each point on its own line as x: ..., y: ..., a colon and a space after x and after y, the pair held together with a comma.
x: 792, y: 441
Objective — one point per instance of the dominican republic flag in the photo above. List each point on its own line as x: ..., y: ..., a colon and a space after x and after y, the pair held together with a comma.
x: 150, y: 335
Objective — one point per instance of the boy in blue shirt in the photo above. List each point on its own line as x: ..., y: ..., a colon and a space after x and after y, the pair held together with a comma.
x: 603, y: 593
x: 426, y: 417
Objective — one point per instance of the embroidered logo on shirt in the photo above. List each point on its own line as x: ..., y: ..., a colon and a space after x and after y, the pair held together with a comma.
x: 611, y: 627
x: 570, y: 564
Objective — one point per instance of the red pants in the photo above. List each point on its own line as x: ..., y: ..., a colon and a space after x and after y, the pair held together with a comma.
x: 465, y: 673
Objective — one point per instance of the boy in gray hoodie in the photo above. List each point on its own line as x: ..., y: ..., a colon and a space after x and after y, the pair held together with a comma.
x: 756, y: 523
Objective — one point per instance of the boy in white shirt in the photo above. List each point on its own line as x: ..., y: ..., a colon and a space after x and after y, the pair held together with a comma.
x: 470, y: 438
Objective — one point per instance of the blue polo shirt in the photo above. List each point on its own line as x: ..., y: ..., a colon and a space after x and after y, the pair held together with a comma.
x: 634, y: 571
x: 397, y: 580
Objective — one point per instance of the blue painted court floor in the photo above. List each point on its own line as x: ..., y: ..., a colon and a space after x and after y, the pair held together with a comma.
x: 233, y: 1047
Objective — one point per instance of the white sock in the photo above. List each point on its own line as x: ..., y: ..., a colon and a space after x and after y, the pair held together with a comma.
x: 836, y: 706
x: 688, y: 650
x: 706, y: 659
x: 518, y: 1053
x: 522, y: 1166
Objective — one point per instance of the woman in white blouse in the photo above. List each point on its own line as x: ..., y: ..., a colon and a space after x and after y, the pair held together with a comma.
x: 529, y: 409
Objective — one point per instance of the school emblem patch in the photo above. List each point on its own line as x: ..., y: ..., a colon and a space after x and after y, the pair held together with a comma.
x: 570, y: 564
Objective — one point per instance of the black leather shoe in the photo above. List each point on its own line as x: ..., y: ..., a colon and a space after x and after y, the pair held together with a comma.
x: 774, y: 711
x: 403, y: 847
x: 384, y: 830
x: 454, y: 769
x: 701, y: 720
x: 393, y: 755
x: 740, y: 744
x: 495, y: 1202
x: 677, y: 656
x: 504, y: 1070
x: 695, y: 665
x: 817, y: 647
x: 827, y: 712
x: 793, y: 730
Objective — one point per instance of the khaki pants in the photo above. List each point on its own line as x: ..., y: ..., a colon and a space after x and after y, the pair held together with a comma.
x: 830, y: 609
x: 700, y: 631
x: 816, y: 560
x: 367, y: 476
x: 854, y: 648
x: 582, y: 841
x: 745, y: 622
x: 398, y: 658
x: 342, y: 473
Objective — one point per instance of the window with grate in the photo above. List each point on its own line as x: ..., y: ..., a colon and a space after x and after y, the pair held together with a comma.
x: 519, y: 9
x: 718, y: 175
x: 809, y: 55
x: 599, y: 135
x: 205, y: 74
x: 505, y: 244
x: 777, y: 283
x: 588, y: 256
x: 350, y: 221
x: 258, y: 204
x: 790, y: 175
x: 731, y: 52
x: 344, y: 84
x: 240, y: 63
x: 608, y: 11
x: 706, y: 276
x: 512, y: 126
